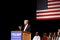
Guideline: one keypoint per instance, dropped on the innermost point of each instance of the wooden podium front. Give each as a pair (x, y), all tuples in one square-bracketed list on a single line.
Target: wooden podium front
[(23, 35), (26, 36)]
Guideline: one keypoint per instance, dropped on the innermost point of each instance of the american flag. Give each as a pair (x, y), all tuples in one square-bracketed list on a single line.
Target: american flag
[(53, 11)]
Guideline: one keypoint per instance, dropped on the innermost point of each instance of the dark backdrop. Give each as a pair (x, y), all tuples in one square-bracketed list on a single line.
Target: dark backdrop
[(15, 16), (11, 22)]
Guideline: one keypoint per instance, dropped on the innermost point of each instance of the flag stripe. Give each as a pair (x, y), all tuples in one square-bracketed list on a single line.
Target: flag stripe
[(48, 10), (53, 6), (52, 16), (55, 2), (48, 13)]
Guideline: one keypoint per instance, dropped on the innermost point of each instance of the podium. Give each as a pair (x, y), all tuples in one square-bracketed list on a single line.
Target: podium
[(20, 35)]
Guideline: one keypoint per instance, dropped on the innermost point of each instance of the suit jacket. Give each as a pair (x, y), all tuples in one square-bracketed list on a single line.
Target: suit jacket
[(28, 28)]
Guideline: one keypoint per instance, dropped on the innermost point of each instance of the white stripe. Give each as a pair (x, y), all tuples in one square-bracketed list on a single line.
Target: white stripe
[(49, 17), (48, 10), (48, 13), (53, 6), (54, 2), (50, 0)]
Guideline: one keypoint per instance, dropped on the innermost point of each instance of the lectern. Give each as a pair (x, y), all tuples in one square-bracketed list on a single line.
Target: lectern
[(20, 35)]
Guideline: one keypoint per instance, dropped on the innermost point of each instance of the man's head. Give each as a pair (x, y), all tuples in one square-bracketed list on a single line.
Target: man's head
[(50, 33), (58, 30), (26, 22), (45, 34), (54, 33), (37, 33)]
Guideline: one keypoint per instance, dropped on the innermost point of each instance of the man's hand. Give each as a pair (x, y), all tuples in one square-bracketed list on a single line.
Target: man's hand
[(20, 27)]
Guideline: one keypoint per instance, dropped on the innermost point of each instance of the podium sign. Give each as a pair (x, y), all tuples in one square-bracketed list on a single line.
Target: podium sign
[(16, 35), (20, 35)]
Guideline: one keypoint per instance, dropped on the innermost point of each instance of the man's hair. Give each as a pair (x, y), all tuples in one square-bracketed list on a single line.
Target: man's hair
[(26, 20), (44, 33), (37, 32)]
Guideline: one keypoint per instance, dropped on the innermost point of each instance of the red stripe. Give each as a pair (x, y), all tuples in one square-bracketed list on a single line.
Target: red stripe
[(48, 19), (54, 7), (50, 15), (52, 0)]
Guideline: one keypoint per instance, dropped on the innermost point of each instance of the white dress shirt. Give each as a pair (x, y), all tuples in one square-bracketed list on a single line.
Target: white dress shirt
[(58, 38), (25, 27), (36, 38)]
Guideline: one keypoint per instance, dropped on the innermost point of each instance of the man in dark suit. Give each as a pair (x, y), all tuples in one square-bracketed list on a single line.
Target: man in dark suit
[(26, 26)]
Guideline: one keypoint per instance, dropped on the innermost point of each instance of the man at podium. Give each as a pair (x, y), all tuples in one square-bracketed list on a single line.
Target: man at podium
[(26, 26)]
